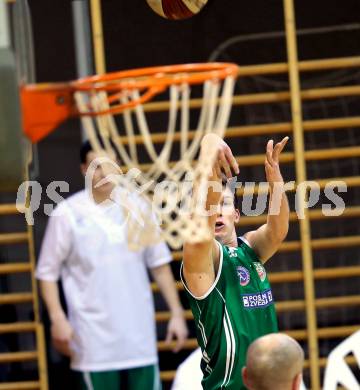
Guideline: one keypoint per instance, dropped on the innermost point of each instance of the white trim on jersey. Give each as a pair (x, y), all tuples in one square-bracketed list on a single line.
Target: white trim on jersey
[(233, 349), (229, 333), (206, 357), (242, 238), (202, 331), (202, 297), (87, 380), (201, 327), (228, 352)]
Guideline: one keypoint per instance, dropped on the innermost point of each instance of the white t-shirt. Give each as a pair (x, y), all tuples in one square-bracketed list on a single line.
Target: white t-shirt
[(106, 286)]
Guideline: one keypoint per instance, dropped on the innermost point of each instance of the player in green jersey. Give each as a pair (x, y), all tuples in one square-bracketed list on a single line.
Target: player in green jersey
[(225, 280)]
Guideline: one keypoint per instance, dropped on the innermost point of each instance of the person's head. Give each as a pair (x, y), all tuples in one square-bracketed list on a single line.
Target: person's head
[(101, 170), (228, 215), (274, 361)]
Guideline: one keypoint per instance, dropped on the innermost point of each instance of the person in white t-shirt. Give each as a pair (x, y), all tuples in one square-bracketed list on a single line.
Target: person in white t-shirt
[(109, 330)]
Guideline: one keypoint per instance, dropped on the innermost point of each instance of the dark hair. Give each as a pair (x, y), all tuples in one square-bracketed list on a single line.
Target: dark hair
[(84, 150), (236, 201)]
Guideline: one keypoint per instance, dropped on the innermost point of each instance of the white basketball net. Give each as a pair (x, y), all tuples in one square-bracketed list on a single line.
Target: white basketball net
[(166, 187)]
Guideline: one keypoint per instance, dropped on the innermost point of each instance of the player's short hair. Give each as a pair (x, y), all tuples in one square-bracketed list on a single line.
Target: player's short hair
[(236, 200), (84, 150)]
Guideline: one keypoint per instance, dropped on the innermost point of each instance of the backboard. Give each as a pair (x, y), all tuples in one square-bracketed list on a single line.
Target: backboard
[(16, 66)]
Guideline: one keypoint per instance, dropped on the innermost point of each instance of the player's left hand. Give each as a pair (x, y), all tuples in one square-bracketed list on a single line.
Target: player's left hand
[(178, 330), (272, 169)]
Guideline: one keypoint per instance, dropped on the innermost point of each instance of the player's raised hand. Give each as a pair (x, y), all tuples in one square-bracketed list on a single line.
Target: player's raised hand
[(225, 161), (272, 168)]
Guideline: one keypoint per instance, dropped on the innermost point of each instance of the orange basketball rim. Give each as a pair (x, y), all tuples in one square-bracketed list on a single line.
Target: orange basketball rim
[(46, 106)]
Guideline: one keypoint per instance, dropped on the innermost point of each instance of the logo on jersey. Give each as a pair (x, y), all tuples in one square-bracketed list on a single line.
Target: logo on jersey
[(260, 270), (232, 251), (257, 300), (243, 275)]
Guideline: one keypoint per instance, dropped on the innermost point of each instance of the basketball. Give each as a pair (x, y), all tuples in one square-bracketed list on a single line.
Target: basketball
[(177, 9)]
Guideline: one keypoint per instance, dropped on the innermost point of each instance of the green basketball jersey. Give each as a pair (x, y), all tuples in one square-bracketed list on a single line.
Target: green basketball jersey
[(237, 309)]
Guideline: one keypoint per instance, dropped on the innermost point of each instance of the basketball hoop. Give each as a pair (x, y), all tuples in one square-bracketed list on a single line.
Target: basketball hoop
[(97, 99)]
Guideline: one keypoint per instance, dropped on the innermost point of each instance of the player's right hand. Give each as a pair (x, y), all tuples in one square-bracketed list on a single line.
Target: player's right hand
[(62, 333), (225, 161)]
